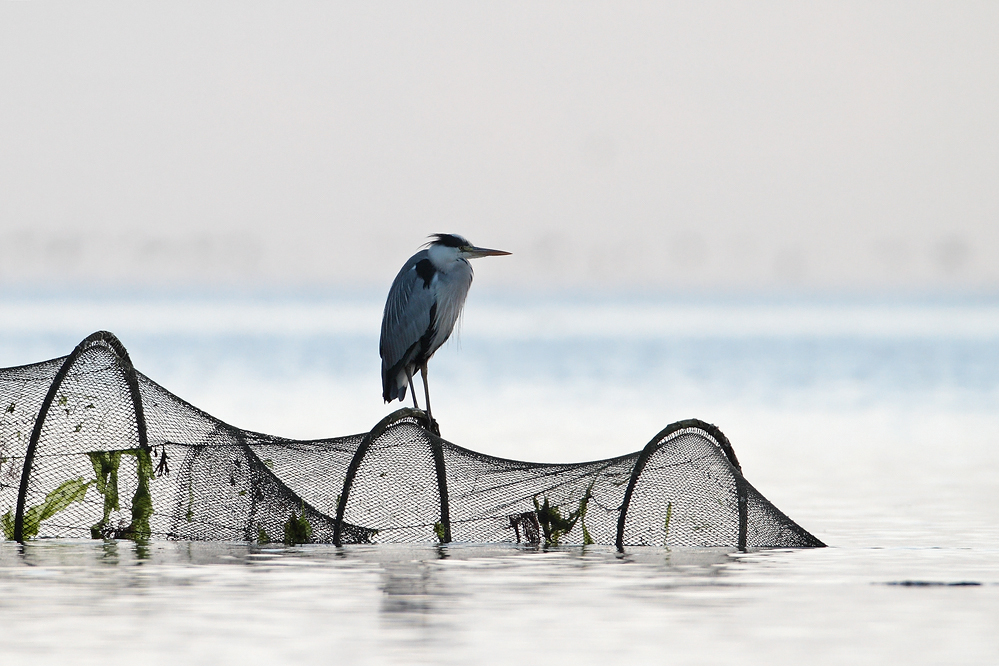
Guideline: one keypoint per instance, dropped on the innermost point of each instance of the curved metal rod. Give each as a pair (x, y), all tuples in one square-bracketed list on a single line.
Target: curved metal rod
[(362, 449), (125, 363), (656, 443), (437, 446)]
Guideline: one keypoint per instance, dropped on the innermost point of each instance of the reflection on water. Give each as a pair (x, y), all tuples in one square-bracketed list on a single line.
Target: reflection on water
[(120, 602)]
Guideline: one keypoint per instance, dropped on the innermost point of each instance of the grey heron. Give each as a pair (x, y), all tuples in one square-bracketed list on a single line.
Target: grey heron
[(422, 308)]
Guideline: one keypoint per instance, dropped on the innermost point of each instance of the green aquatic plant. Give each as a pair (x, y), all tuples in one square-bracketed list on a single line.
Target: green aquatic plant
[(439, 531), (583, 504), (554, 526), (74, 490), (587, 539), (669, 515), (142, 500), (189, 514), (297, 529), (106, 464)]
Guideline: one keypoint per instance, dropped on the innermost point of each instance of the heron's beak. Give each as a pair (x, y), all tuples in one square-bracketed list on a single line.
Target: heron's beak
[(475, 252)]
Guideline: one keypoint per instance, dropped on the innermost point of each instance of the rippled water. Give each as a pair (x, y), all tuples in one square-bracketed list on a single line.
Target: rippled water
[(210, 603), (873, 425)]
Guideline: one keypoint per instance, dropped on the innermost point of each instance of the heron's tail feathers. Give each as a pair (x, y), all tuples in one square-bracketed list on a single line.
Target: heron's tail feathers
[(394, 385), (391, 392)]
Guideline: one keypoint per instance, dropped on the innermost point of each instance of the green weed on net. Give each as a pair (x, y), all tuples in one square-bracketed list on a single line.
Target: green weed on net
[(74, 490), (554, 525), (297, 529), (106, 465)]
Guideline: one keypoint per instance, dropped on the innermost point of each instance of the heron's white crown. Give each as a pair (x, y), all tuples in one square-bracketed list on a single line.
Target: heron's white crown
[(443, 257)]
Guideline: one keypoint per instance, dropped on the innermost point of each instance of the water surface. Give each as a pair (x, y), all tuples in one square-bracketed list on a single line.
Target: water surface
[(225, 603)]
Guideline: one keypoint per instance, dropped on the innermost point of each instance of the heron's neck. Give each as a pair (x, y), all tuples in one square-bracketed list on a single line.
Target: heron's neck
[(443, 258)]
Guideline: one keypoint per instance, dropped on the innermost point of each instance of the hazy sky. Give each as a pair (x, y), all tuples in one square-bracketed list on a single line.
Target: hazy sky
[(660, 145)]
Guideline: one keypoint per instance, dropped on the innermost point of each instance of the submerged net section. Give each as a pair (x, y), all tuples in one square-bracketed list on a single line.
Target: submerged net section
[(91, 448)]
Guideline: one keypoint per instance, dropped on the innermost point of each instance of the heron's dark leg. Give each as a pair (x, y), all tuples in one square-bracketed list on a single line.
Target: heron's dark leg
[(431, 424), (409, 376), (426, 390)]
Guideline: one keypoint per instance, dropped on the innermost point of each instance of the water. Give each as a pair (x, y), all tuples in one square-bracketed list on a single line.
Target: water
[(873, 425), (208, 603)]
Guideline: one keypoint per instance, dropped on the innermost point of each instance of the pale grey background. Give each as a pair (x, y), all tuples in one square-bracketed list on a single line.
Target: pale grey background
[(718, 146)]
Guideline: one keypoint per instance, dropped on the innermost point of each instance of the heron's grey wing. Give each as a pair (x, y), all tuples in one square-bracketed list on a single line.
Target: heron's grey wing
[(407, 316)]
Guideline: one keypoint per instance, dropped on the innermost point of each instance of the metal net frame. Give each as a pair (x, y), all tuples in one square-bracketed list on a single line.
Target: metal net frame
[(92, 448)]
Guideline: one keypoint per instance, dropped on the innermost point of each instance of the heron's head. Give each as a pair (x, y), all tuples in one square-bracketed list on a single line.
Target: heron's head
[(447, 248)]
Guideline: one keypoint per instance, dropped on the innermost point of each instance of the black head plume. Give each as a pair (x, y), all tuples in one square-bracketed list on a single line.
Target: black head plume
[(448, 240)]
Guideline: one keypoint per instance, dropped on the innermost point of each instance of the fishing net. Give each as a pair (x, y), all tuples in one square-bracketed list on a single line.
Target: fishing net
[(91, 448)]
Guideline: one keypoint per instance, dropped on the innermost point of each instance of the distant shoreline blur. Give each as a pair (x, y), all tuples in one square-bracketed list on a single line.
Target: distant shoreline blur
[(710, 147)]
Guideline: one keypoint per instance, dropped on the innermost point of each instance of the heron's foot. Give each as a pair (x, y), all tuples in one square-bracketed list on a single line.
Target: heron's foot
[(430, 424)]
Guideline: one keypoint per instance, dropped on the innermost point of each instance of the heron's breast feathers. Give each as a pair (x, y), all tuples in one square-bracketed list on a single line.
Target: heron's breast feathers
[(452, 288)]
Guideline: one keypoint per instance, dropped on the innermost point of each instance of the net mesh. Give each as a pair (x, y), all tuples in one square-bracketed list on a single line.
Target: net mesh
[(91, 448)]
